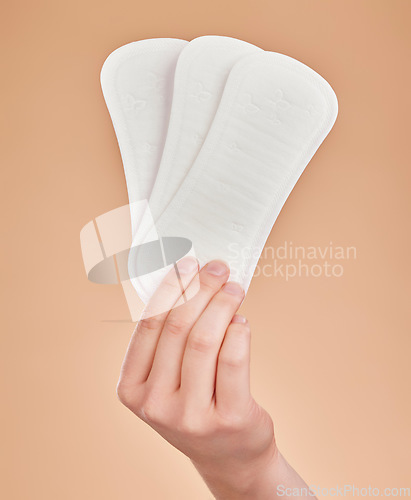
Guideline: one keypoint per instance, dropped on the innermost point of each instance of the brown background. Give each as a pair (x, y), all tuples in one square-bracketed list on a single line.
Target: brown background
[(330, 356)]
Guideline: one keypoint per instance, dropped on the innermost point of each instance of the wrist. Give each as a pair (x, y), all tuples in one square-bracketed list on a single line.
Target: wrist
[(239, 478)]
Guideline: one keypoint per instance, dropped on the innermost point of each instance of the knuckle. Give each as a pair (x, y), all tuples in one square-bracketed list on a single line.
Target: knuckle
[(125, 395), (171, 284), (241, 330), (151, 409), (234, 359), (209, 285), (149, 324), (235, 354), (232, 423), (201, 342), (238, 422), (191, 427), (177, 324), (224, 299)]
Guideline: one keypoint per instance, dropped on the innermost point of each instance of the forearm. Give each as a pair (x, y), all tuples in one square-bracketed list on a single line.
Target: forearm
[(267, 478)]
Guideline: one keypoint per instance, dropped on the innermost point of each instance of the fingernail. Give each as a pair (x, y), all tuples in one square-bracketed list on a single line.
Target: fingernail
[(237, 318), (217, 268), (233, 288), (187, 265)]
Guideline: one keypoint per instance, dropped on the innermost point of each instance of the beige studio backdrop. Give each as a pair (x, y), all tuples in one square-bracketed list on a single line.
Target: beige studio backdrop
[(330, 355)]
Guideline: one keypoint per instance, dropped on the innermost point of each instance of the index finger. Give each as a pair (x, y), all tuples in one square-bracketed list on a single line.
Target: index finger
[(141, 350)]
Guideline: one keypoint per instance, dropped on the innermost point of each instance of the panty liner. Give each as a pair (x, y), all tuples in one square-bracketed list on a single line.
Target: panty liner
[(274, 114), (201, 74), (244, 124), (137, 82)]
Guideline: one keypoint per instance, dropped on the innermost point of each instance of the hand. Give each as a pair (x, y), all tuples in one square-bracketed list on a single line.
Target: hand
[(186, 374)]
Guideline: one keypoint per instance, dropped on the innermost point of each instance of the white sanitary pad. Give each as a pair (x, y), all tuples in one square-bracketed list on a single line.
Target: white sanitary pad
[(137, 82), (201, 73), (274, 114), (244, 124)]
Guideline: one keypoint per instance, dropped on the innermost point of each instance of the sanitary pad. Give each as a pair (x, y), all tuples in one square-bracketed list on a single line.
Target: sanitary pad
[(244, 124), (274, 114), (137, 83), (201, 73)]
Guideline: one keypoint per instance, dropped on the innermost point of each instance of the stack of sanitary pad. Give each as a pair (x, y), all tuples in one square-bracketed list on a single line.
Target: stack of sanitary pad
[(214, 134)]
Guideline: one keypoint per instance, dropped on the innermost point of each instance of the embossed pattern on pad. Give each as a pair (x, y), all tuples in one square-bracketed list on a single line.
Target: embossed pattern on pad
[(137, 83), (201, 73), (274, 114)]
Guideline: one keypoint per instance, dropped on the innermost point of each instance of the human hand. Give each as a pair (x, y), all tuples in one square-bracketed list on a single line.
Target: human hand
[(186, 374)]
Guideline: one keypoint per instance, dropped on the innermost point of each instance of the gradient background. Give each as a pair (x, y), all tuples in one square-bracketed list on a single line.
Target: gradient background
[(330, 357)]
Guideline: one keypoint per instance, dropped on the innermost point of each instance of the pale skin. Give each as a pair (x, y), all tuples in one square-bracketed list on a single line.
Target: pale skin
[(187, 375)]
